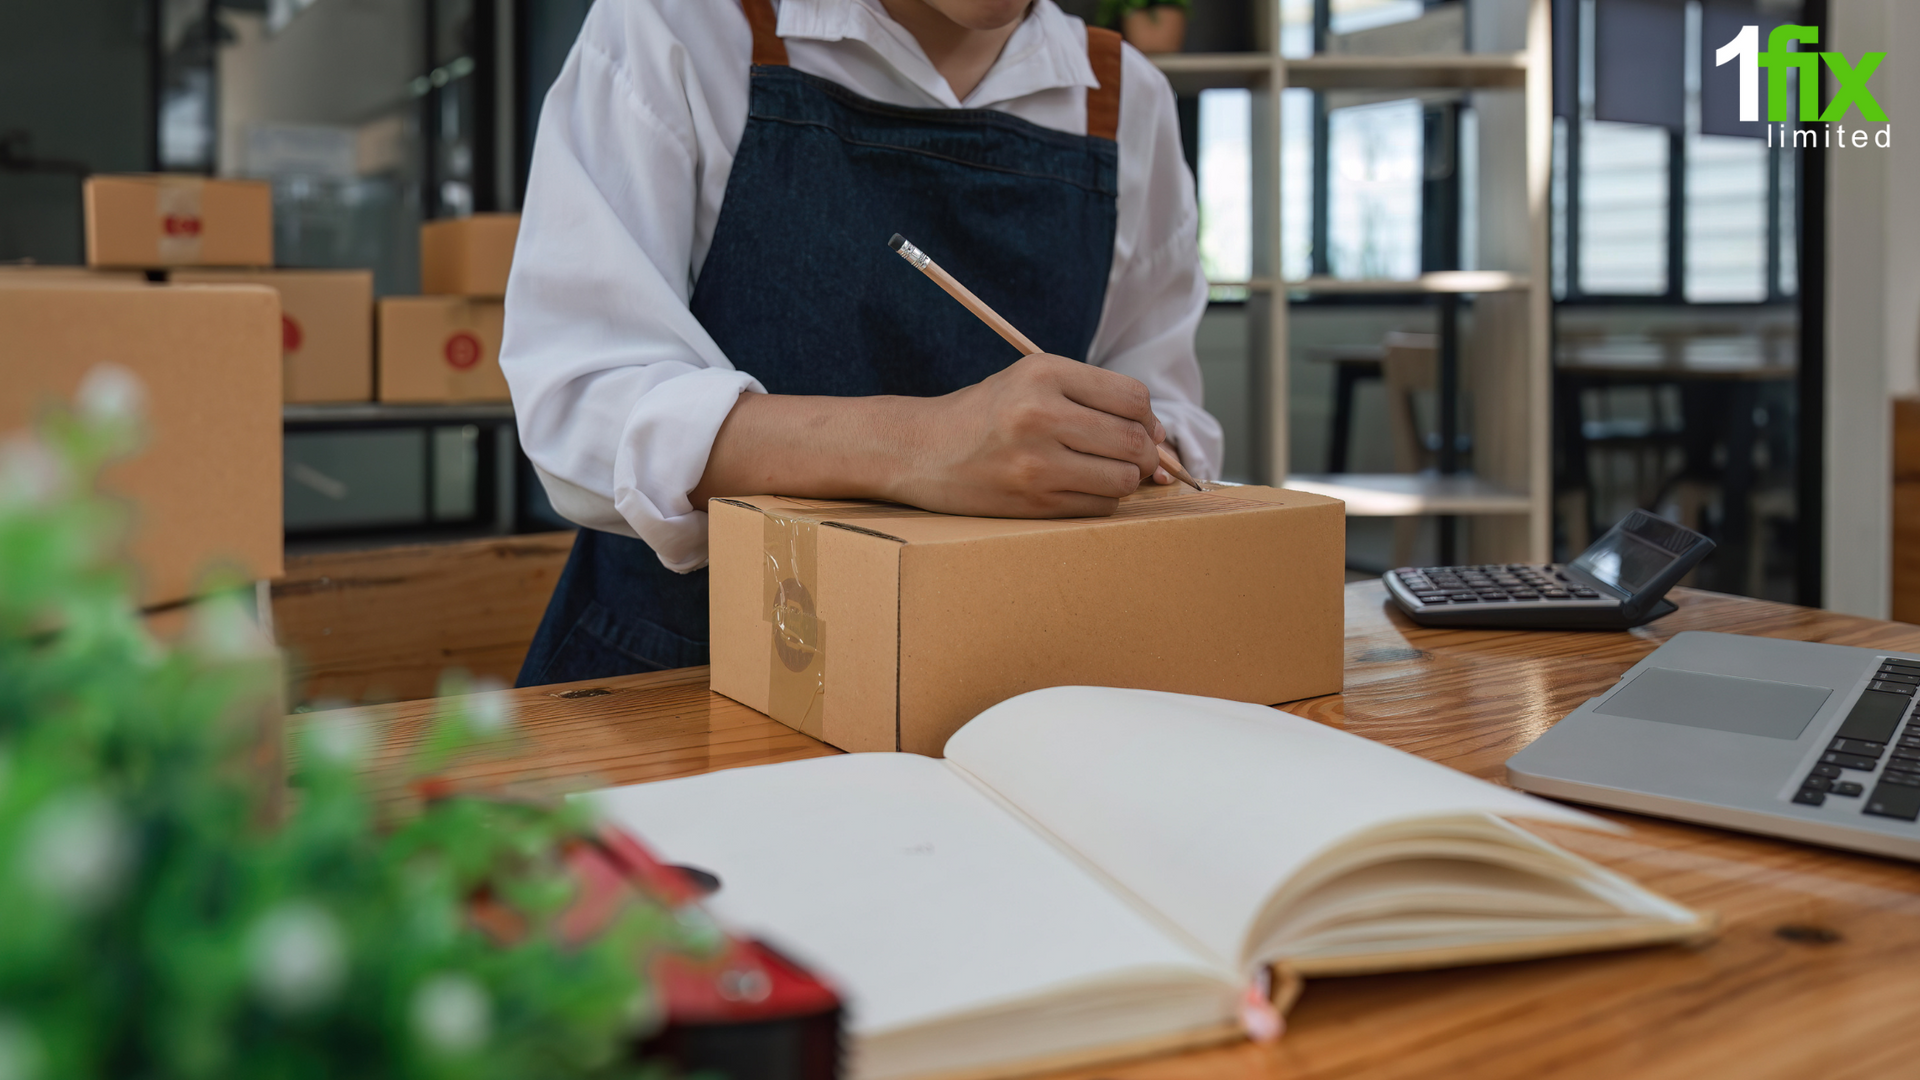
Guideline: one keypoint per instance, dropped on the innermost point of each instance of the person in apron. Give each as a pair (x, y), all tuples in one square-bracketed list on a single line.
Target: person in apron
[(834, 348)]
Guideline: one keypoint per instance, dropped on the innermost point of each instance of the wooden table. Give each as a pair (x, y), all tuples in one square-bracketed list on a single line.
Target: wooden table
[(1817, 972)]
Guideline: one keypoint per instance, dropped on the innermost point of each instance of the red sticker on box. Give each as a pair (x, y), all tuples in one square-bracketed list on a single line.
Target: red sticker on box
[(180, 225), (291, 336), (462, 350)]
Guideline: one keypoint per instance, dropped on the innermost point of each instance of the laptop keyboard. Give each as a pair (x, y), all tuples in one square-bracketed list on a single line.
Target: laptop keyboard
[(1494, 583), (1870, 739)]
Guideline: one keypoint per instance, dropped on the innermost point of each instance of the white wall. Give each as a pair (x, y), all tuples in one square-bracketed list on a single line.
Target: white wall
[(1873, 305)]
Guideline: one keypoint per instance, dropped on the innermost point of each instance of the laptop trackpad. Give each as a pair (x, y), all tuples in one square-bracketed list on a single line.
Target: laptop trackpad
[(1776, 710)]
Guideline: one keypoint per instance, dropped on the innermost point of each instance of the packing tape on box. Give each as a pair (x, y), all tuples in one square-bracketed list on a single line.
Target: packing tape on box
[(177, 210), (790, 595), (796, 675)]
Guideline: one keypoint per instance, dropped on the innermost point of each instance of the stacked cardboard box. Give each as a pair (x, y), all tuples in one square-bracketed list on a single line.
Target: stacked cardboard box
[(326, 328), (151, 222), (445, 346), (186, 225), (205, 487)]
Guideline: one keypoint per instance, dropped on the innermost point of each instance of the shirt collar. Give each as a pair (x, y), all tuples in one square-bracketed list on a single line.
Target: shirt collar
[(1046, 52)]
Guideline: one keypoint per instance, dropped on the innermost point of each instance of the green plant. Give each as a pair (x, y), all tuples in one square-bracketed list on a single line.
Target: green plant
[(1112, 11), (162, 920)]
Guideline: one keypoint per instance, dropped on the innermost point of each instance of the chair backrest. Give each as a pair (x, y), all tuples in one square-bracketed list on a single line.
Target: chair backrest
[(1409, 365)]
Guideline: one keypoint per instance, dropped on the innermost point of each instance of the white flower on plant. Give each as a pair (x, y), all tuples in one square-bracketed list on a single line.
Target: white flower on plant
[(488, 711), (342, 736), (77, 849), (297, 956), (21, 1057), (223, 629), (452, 1013), (30, 473), (111, 394)]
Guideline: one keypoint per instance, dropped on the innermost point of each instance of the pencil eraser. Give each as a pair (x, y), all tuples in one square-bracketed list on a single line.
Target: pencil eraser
[(896, 241)]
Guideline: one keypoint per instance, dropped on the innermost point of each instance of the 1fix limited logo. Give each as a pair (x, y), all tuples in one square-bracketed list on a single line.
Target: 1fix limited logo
[(1851, 93)]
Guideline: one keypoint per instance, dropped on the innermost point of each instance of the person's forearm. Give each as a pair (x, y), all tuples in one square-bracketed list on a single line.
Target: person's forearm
[(810, 447), (1044, 437)]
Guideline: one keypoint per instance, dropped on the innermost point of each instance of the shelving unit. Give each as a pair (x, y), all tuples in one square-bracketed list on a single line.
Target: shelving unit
[(1503, 361)]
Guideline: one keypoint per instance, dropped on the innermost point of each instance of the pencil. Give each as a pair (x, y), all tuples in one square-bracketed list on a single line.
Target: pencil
[(1007, 330)]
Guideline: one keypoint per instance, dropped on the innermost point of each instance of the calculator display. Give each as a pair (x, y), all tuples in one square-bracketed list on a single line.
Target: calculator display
[(1625, 561)]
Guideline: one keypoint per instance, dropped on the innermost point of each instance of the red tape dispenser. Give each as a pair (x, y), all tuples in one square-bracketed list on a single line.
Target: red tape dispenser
[(744, 1012), (737, 1010)]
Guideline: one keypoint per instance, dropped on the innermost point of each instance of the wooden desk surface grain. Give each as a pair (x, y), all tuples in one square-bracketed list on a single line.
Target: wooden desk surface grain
[(1816, 974)]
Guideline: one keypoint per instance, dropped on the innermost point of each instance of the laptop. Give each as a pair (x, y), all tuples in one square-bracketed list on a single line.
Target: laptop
[(1798, 739)]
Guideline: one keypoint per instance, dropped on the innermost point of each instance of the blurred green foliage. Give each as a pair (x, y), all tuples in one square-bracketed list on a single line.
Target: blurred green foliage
[(160, 918)]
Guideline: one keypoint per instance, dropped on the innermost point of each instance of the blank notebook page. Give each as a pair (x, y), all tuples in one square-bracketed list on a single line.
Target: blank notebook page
[(893, 875), (1202, 807)]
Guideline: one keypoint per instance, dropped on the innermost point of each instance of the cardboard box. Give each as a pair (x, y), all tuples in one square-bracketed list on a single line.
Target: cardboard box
[(205, 487), (878, 627), (441, 348), (76, 275), (467, 256), (326, 328), (160, 220)]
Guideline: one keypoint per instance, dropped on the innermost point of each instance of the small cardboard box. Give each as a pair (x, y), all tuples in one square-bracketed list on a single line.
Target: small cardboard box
[(326, 328), (205, 486), (879, 627), (72, 275), (467, 256), (441, 348), (160, 220)]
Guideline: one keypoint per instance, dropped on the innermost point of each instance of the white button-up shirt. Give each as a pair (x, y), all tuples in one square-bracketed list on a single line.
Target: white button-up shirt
[(620, 391)]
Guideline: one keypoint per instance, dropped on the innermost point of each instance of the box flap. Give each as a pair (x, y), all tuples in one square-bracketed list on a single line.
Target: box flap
[(914, 526)]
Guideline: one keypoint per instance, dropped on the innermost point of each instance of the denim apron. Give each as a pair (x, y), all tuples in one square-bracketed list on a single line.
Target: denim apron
[(800, 290)]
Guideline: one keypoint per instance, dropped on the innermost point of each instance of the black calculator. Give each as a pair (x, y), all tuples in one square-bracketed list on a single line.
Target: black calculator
[(1621, 581)]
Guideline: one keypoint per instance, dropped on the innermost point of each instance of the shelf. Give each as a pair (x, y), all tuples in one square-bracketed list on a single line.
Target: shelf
[(1191, 73), (1472, 71), (1440, 281), (1409, 494), (374, 415)]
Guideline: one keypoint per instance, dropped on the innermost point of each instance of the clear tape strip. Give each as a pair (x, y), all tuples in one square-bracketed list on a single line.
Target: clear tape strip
[(797, 669)]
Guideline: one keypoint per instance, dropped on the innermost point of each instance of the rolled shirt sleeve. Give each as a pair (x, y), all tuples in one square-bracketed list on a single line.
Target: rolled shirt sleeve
[(618, 389), (1156, 291)]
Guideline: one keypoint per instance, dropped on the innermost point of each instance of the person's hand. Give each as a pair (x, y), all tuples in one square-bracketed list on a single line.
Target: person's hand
[(1047, 437)]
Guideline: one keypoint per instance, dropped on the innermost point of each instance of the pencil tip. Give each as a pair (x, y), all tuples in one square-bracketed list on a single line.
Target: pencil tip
[(896, 241)]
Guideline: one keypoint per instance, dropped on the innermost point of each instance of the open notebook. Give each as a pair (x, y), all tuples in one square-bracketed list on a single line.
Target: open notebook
[(1097, 873)]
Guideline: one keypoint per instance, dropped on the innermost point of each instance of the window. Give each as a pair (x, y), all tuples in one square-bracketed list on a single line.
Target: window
[(1649, 201)]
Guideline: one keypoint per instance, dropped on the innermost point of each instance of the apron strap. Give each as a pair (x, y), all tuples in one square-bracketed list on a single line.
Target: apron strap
[(1103, 102), (768, 49)]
